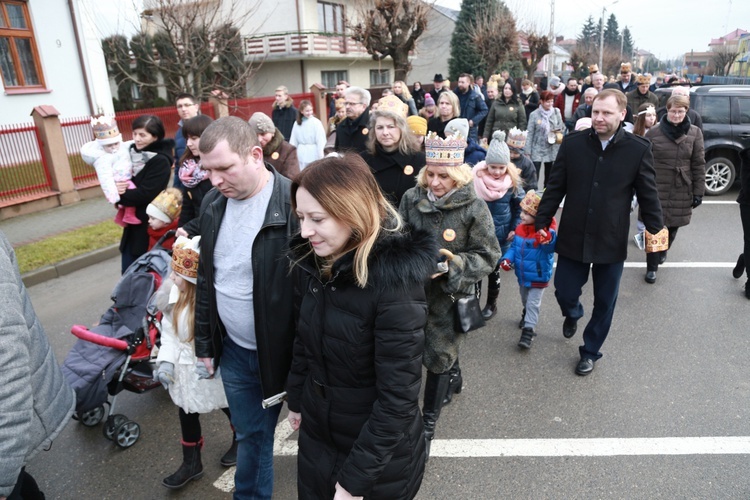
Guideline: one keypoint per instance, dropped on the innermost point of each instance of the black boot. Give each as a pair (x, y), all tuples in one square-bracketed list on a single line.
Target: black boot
[(523, 318), (747, 289), (191, 467), (740, 267), (527, 336), (435, 388), (456, 383), (230, 457), (490, 309)]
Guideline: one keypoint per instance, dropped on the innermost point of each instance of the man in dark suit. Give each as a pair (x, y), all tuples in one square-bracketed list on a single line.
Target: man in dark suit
[(597, 172)]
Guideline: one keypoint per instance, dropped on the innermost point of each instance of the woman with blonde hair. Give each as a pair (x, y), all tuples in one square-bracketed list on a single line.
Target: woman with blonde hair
[(393, 154), (401, 91), (444, 203), (448, 108), (353, 388)]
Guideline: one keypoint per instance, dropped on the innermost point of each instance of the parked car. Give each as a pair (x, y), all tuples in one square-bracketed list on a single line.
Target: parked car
[(725, 111)]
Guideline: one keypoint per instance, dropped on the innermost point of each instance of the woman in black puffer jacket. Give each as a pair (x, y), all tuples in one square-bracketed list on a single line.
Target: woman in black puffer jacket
[(353, 388)]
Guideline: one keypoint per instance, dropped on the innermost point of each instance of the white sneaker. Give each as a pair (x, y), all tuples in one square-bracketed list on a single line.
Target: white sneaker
[(639, 241)]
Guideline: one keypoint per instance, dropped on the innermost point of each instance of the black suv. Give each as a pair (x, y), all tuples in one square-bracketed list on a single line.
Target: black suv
[(725, 111)]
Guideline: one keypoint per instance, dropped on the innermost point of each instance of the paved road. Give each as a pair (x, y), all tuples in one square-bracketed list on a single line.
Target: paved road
[(675, 366)]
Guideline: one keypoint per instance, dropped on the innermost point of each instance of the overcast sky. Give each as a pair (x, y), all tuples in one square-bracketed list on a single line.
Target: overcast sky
[(666, 28)]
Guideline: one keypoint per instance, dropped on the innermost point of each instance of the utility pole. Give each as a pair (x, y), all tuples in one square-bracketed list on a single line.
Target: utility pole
[(551, 57), (601, 40)]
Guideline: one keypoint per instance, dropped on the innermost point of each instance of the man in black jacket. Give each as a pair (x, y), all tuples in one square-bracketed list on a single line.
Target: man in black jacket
[(244, 295), (351, 134), (597, 171), (284, 113)]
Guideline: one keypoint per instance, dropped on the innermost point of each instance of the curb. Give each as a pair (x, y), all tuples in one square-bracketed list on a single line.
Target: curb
[(69, 265)]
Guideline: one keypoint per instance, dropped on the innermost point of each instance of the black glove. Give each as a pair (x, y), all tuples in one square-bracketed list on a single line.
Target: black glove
[(697, 200)]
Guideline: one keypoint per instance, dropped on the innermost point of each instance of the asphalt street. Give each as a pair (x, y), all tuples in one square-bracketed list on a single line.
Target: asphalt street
[(676, 365)]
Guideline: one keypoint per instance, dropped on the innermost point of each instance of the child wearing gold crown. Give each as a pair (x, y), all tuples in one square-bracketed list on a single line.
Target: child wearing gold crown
[(533, 258), (176, 363), (110, 158), (164, 215)]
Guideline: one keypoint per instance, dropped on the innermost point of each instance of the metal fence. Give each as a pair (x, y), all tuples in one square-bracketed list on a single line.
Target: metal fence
[(167, 115), (77, 132), (244, 108), (23, 168)]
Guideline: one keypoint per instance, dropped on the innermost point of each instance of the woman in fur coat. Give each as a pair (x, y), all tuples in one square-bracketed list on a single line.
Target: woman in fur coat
[(353, 388), (445, 204)]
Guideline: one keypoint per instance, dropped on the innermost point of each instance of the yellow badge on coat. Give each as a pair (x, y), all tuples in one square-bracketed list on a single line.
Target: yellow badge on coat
[(365, 131), (449, 235), (275, 155), (408, 170), (510, 108)]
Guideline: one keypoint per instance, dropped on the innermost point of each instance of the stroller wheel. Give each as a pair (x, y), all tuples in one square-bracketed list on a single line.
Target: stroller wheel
[(112, 423), (127, 433), (91, 418)]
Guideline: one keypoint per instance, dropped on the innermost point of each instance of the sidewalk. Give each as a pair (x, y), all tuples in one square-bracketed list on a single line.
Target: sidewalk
[(29, 228)]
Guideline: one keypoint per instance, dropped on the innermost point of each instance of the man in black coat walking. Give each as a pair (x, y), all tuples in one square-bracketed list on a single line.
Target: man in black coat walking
[(351, 134), (597, 171)]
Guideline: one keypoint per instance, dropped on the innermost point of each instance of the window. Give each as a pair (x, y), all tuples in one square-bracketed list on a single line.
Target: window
[(19, 59), (330, 17), (379, 77), (329, 79), (714, 109), (744, 103)]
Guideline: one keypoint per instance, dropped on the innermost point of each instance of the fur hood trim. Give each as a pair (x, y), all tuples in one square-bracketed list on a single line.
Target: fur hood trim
[(287, 104), (398, 260), (274, 144)]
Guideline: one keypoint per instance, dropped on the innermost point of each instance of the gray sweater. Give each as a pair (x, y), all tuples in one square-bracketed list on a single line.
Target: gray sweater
[(35, 400)]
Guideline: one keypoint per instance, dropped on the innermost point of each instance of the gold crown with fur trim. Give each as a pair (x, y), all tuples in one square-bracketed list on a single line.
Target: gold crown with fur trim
[(448, 152), (105, 129), (185, 257)]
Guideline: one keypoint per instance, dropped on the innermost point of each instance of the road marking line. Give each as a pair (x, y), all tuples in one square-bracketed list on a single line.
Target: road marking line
[(719, 202), (469, 448), (716, 265)]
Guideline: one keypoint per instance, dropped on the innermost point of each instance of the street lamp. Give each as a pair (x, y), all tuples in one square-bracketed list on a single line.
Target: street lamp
[(601, 36)]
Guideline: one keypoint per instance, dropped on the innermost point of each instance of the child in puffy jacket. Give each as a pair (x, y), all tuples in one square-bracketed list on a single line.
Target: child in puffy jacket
[(533, 258)]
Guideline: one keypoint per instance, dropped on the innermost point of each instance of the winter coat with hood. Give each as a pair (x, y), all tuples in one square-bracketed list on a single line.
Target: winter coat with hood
[(504, 116), (149, 182), (680, 168), (532, 260), (284, 116), (463, 225), (272, 285), (357, 370), (391, 172), (35, 400), (282, 155)]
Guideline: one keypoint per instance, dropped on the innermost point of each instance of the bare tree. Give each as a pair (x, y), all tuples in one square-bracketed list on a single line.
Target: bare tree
[(192, 44), (495, 36), (723, 58), (538, 46), (389, 28)]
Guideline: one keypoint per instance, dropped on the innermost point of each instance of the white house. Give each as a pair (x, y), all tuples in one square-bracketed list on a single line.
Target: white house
[(49, 55)]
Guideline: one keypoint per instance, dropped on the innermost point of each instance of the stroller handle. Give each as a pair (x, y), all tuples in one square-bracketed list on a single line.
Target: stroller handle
[(84, 333), (164, 237)]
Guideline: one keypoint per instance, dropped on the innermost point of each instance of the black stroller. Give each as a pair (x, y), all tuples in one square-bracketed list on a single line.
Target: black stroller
[(115, 354)]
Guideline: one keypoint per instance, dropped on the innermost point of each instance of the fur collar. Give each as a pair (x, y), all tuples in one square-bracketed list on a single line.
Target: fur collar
[(398, 260), (287, 104), (462, 197)]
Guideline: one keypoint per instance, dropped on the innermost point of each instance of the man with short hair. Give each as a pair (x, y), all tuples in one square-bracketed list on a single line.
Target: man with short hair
[(627, 82), (284, 113), (472, 104), (351, 134), (641, 94), (597, 81), (243, 315), (187, 107), (597, 172), (584, 110), (341, 86), (567, 102), (657, 84)]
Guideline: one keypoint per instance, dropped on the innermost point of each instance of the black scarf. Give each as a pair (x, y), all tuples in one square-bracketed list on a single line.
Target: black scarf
[(570, 92), (673, 131)]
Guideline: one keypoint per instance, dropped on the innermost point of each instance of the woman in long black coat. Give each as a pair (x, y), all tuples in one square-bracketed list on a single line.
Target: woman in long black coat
[(353, 388), (151, 156), (195, 180)]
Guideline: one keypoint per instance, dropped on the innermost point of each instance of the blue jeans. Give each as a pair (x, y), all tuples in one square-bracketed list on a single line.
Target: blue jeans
[(570, 277), (254, 426)]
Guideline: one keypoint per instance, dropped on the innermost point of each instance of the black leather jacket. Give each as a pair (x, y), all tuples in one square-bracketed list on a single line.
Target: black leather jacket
[(272, 285)]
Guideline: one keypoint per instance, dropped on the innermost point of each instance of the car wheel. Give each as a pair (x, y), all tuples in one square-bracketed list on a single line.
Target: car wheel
[(720, 175)]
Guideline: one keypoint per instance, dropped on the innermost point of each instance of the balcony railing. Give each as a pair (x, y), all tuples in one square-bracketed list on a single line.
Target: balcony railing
[(284, 45)]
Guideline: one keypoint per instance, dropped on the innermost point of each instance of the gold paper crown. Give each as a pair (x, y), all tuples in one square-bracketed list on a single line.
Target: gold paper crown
[(185, 257), (516, 138), (394, 105), (167, 204), (625, 66), (593, 68), (105, 127), (530, 202), (642, 79), (448, 152)]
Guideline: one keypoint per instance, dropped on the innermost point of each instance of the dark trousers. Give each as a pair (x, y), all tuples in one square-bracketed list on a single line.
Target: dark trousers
[(190, 425), (745, 217), (547, 169), (26, 488), (570, 277), (652, 259)]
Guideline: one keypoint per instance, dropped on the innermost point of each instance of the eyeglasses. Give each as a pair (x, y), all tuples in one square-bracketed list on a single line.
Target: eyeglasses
[(349, 104)]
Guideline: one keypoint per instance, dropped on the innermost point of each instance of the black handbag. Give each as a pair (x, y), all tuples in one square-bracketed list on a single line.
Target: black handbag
[(468, 314)]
